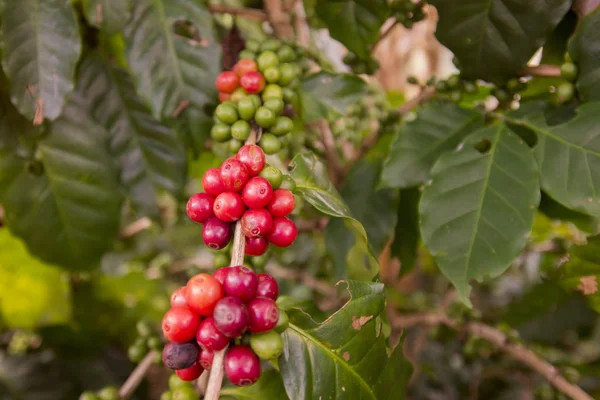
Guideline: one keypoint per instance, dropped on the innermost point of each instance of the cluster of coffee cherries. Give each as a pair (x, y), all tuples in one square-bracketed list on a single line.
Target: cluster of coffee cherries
[(234, 307), (243, 189), (360, 65), (148, 339), (565, 91), (408, 12), (107, 393)]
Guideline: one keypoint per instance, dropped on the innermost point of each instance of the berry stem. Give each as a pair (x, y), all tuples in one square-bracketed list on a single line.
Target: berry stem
[(135, 378)]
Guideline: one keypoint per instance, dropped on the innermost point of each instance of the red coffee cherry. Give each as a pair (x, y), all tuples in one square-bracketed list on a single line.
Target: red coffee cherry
[(264, 315), (205, 358), (284, 232), (256, 246), (234, 175), (242, 366), (229, 206), (240, 282), (227, 81), (253, 82), (216, 234), (231, 316), (190, 373), (200, 207), (282, 203), (209, 337), (220, 274), (179, 355), (244, 66), (179, 325), (257, 192), (257, 222), (202, 292), (253, 157), (211, 182), (267, 287), (178, 297)]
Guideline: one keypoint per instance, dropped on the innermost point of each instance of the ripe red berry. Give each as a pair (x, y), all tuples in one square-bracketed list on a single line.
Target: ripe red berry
[(267, 287), (227, 81), (240, 282), (257, 192), (253, 157), (220, 274), (179, 325), (256, 246), (202, 293), (190, 373), (229, 206), (211, 182), (284, 232), (282, 203), (242, 366), (234, 174), (257, 222), (200, 207), (179, 355), (205, 358), (224, 96), (216, 234), (178, 297), (253, 82), (231, 316), (244, 66), (209, 337), (264, 315)]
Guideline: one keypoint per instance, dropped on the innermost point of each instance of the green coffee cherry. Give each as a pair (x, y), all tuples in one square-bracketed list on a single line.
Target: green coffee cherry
[(252, 45), (155, 343), (256, 99), (265, 117), (240, 130), (137, 353), (176, 383), (220, 132), (227, 113), (565, 92), (88, 396), (569, 71), (166, 396), (109, 393), (144, 328), (246, 108), (268, 345), (267, 59), (283, 126), (454, 82), (470, 87), (186, 393), (501, 94), (412, 80), (269, 143), (350, 58), (235, 145), (259, 261), (287, 73), (271, 44), (275, 105), (247, 54), (286, 54), (288, 183), (221, 260), (273, 175), (238, 94), (272, 74), (289, 95), (272, 91), (282, 323), (455, 96), (442, 87)]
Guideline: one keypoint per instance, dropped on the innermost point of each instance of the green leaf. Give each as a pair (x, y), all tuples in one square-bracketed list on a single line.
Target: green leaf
[(269, 386), (478, 210), (33, 294), (553, 209), (393, 381), (584, 49), (70, 214), (41, 49), (341, 357), (327, 95), (582, 271), (171, 69), (406, 235), (354, 23), (150, 155), (568, 153), (438, 127), (109, 15), (315, 187), (494, 39)]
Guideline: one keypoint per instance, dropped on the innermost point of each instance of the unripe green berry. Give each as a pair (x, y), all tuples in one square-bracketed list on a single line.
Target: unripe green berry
[(455, 96), (109, 393), (350, 58), (470, 87), (259, 261), (154, 343), (240, 130), (253, 45), (256, 99), (235, 145), (268, 345), (271, 44), (272, 91), (282, 323), (185, 393), (265, 117), (238, 94), (269, 143), (227, 113), (272, 74), (166, 396), (565, 92), (221, 260), (288, 183), (267, 59), (246, 108), (144, 328), (220, 132), (275, 105), (501, 94), (569, 71), (287, 73), (289, 95), (454, 82), (286, 54), (273, 175), (88, 396), (136, 353), (441, 87), (412, 80), (176, 383), (283, 126), (247, 54)]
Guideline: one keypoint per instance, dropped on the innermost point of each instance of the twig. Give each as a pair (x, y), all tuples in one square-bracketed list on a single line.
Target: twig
[(279, 19), (425, 94), (202, 382), (334, 167), (136, 227), (250, 13), (551, 71), (307, 279), (498, 338), (136, 376)]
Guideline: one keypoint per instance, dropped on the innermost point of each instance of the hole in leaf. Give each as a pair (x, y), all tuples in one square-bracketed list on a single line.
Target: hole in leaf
[(483, 146)]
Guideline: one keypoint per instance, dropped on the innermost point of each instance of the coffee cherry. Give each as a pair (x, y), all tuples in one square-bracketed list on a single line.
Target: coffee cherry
[(282, 203), (269, 143), (211, 182), (253, 45), (264, 315), (267, 287), (256, 99), (240, 130), (154, 343), (229, 206), (185, 393), (289, 95), (253, 82), (455, 96), (220, 132), (226, 113), (441, 87), (267, 59), (235, 145), (271, 44), (256, 246), (268, 345), (257, 222), (242, 366), (259, 262), (175, 383), (179, 355), (272, 74), (88, 396), (241, 282), (136, 352), (470, 87), (265, 117), (286, 54), (257, 192), (454, 82), (209, 337), (234, 175), (191, 373), (231, 316), (205, 359), (275, 105), (216, 234), (220, 274), (283, 126), (199, 207), (238, 94), (253, 157), (166, 395), (501, 94), (109, 393), (179, 324), (178, 297), (244, 66), (284, 232), (224, 97), (273, 175), (569, 71), (282, 323), (565, 92), (288, 183), (227, 81), (202, 292), (246, 108), (287, 73), (272, 91)]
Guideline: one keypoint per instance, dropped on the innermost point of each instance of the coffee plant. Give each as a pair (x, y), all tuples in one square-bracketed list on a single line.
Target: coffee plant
[(209, 199)]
